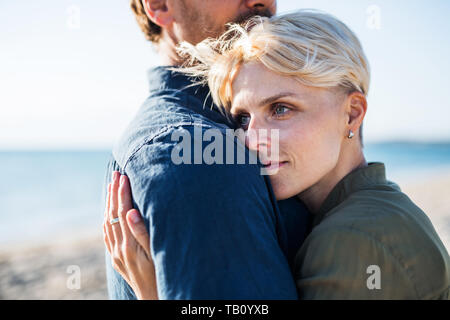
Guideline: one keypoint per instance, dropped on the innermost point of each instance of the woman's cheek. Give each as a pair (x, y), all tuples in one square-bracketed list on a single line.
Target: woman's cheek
[(329, 148), (315, 152)]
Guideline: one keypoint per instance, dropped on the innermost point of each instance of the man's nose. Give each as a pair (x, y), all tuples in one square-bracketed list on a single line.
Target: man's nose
[(262, 5)]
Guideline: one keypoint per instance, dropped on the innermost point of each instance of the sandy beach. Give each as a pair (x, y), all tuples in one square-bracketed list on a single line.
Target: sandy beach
[(432, 195), (45, 271)]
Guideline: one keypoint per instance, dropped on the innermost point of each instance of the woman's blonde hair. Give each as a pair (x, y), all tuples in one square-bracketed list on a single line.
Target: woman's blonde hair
[(313, 47)]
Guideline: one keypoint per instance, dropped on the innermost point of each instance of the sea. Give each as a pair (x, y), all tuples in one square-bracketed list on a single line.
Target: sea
[(52, 196)]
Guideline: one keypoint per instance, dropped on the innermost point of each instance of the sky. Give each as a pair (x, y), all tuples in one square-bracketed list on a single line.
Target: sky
[(73, 73)]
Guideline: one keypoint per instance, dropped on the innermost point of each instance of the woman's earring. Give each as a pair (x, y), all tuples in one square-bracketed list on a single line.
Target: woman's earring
[(351, 135)]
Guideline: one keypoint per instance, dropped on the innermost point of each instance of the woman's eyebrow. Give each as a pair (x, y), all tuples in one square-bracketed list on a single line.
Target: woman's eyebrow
[(274, 98), (267, 101)]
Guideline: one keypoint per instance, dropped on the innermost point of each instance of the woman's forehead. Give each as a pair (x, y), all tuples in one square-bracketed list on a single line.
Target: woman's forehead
[(254, 82)]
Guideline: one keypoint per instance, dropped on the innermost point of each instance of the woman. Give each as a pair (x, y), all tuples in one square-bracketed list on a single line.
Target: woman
[(306, 76)]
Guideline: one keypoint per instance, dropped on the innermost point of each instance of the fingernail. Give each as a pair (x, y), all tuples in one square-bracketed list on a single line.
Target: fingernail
[(135, 217), (115, 175)]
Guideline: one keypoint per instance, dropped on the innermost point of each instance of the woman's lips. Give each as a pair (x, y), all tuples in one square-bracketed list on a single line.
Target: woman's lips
[(274, 165)]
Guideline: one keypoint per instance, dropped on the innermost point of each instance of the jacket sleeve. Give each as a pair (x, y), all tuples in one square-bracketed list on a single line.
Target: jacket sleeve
[(212, 227)]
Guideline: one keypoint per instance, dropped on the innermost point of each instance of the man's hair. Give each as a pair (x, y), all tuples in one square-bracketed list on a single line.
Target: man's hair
[(151, 31), (313, 47)]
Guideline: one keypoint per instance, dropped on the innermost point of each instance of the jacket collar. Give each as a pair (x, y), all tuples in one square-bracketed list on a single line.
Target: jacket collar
[(163, 79), (367, 178)]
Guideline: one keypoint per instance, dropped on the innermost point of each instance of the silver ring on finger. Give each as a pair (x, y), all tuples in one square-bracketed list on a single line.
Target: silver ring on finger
[(114, 221)]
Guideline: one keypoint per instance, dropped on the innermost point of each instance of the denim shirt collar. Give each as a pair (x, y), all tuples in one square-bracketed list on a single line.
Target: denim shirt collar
[(162, 79)]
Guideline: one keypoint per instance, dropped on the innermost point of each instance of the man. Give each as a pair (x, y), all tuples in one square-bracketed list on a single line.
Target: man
[(216, 231)]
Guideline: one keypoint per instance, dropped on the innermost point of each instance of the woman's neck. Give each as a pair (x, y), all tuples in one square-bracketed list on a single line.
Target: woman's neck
[(315, 196)]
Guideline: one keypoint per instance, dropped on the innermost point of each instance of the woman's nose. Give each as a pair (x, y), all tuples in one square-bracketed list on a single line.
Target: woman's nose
[(262, 5), (257, 135)]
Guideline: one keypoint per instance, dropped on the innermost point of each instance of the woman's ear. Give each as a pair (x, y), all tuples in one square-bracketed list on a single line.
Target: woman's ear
[(356, 108), (158, 12)]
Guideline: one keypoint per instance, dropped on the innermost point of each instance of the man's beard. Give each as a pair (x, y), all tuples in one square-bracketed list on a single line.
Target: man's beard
[(242, 19)]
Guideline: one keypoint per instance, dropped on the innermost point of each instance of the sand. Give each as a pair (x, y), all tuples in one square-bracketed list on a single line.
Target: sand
[(50, 271), (41, 271), (432, 195)]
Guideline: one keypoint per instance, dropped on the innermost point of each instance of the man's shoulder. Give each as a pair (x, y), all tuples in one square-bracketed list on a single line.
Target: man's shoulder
[(161, 115), (195, 161), (195, 150)]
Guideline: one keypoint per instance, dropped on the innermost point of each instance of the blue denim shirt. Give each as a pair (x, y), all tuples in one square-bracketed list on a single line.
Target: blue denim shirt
[(216, 231)]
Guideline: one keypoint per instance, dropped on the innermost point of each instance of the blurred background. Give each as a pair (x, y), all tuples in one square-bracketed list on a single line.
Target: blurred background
[(73, 73)]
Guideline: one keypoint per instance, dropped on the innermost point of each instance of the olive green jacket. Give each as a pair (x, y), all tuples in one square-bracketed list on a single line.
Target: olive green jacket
[(370, 241)]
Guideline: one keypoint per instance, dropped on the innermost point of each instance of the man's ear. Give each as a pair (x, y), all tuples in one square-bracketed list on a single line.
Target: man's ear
[(356, 108), (158, 12)]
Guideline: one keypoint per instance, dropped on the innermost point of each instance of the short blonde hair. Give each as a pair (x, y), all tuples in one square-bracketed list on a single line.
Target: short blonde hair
[(313, 47)]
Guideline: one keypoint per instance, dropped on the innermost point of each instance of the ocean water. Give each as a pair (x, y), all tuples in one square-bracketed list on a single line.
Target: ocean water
[(50, 196), (409, 161)]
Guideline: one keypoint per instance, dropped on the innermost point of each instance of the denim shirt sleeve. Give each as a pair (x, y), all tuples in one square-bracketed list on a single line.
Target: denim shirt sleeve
[(212, 228)]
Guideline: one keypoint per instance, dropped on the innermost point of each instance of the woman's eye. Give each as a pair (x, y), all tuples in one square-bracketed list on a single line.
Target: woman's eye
[(243, 120), (280, 109)]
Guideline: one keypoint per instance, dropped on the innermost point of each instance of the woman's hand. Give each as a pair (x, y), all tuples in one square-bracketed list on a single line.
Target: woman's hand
[(128, 241)]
